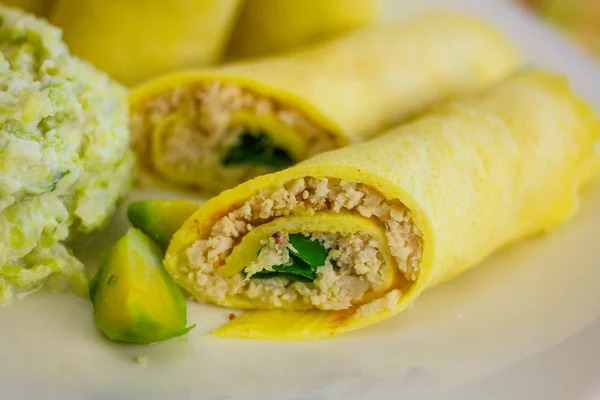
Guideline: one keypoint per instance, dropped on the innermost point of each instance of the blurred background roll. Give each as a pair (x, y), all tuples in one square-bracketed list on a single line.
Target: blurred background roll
[(211, 129), (580, 19), (134, 40), (272, 26)]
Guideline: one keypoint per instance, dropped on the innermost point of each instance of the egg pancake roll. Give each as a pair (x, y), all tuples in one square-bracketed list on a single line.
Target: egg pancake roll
[(134, 40), (266, 27), (215, 128), (352, 236)]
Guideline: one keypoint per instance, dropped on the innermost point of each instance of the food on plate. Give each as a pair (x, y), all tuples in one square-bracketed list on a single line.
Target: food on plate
[(134, 298), (212, 129), (39, 7), (352, 236), (160, 219), (64, 155), (266, 27), (135, 40)]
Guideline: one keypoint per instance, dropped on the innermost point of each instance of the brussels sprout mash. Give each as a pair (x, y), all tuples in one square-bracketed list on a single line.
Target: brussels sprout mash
[(64, 157)]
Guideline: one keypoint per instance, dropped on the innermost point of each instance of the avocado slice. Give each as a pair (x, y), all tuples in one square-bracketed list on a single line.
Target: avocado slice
[(160, 219), (135, 300)]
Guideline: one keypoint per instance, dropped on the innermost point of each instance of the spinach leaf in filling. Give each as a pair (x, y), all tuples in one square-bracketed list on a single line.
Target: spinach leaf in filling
[(306, 255), (256, 148)]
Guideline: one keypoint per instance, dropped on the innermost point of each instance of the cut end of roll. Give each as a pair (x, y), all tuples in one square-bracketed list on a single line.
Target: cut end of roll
[(333, 250), (211, 134)]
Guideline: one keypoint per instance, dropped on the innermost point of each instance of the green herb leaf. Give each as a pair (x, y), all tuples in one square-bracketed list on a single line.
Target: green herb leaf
[(258, 149), (310, 251), (307, 257), (297, 270), (291, 277)]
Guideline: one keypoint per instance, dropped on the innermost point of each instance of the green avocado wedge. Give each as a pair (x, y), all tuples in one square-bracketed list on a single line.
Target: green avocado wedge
[(135, 300), (160, 219)]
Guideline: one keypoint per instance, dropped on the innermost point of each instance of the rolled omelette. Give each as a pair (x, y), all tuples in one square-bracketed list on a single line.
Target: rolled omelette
[(352, 236), (266, 27), (135, 40), (215, 128)]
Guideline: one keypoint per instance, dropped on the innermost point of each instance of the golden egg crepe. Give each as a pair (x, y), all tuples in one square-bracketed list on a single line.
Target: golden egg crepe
[(267, 27), (393, 216), (215, 128), (134, 40)]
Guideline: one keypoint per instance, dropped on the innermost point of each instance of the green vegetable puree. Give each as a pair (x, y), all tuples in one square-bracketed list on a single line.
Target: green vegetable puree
[(64, 157)]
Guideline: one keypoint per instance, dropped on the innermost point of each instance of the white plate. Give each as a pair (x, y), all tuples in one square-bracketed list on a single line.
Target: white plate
[(522, 326)]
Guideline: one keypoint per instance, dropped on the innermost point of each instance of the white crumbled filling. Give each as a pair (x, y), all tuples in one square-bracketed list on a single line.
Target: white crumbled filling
[(274, 252), (210, 107), (387, 302), (354, 265), (358, 259)]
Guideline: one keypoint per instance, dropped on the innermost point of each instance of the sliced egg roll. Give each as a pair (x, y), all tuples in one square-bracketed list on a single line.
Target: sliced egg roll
[(267, 27), (135, 40), (215, 128), (352, 236)]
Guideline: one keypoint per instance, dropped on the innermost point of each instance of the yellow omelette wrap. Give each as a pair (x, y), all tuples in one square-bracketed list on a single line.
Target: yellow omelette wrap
[(267, 27), (393, 216), (135, 40), (212, 129)]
